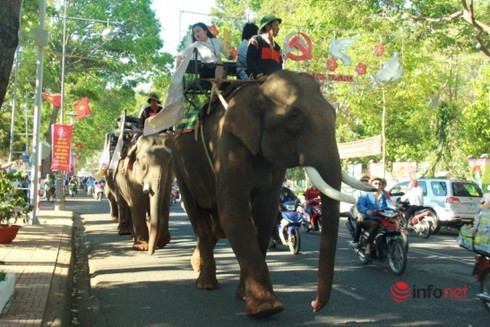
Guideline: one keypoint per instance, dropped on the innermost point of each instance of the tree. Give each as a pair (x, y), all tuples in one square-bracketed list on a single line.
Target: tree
[(9, 40)]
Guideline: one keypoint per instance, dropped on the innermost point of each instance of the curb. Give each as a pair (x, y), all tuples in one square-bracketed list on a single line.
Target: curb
[(57, 312)]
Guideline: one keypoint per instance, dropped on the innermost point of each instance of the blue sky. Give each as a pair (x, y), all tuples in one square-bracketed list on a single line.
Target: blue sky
[(176, 16)]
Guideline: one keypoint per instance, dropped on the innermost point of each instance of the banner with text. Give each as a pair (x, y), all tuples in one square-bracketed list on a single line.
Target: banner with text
[(61, 141), (363, 148)]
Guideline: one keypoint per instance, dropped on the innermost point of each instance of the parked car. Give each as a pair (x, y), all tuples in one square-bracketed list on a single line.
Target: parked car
[(454, 201)]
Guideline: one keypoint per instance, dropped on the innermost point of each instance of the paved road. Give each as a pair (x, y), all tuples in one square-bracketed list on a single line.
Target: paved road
[(131, 288)]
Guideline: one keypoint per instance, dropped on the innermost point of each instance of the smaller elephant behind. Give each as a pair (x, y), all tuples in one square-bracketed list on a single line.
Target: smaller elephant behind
[(119, 209), (144, 180)]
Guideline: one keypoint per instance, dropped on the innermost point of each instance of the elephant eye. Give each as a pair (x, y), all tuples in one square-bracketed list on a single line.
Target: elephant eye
[(294, 121)]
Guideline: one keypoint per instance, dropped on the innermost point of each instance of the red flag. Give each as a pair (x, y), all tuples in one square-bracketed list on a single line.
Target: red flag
[(54, 99), (82, 108)]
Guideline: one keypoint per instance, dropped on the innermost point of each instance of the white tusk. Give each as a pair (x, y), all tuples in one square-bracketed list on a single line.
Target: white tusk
[(326, 189), (351, 181), (146, 187)]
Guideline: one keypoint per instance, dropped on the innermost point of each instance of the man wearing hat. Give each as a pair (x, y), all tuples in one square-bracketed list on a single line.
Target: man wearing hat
[(153, 107), (264, 54)]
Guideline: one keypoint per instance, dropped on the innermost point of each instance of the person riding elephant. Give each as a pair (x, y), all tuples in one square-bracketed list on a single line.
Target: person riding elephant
[(263, 53), (144, 179), (231, 185)]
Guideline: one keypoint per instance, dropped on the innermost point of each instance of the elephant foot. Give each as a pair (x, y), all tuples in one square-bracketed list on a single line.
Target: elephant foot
[(140, 246), (206, 283), (124, 231), (262, 308), (196, 260), (164, 240)]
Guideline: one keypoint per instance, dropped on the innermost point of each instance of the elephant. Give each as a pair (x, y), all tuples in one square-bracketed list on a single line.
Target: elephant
[(119, 208), (231, 185), (144, 179)]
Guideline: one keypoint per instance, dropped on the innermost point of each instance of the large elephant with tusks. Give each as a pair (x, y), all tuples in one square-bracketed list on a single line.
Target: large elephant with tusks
[(284, 122)]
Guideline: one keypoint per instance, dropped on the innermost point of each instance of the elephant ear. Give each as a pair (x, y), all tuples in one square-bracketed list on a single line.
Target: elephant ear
[(244, 117), (131, 157)]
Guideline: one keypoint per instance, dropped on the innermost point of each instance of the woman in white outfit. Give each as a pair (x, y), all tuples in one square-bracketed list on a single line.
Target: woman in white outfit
[(209, 48)]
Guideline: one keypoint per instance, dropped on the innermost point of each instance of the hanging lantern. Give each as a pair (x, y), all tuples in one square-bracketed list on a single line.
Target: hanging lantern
[(78, 157), (332, 64), (79, 145), (379, 49), (361, 69)]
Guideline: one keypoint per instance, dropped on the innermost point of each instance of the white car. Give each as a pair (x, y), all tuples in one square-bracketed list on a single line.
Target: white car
[(454, 201)]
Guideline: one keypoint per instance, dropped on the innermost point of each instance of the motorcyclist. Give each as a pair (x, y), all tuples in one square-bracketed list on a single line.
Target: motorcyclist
[(355, 213), (311, 193), (368, 205), (415, 197), (285, 196)]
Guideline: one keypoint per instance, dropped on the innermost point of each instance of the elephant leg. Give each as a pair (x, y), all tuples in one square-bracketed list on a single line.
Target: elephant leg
[(140, 237), (264, 212), (125, 226), (235, 214), (206, 240)]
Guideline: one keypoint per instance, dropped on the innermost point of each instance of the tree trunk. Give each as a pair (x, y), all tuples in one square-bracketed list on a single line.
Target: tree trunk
[(9, 40)]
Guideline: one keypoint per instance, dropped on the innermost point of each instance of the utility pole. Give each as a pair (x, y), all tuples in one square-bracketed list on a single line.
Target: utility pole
[(40, 40)]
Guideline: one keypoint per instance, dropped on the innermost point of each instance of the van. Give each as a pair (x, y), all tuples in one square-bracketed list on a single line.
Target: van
[(454, 201)]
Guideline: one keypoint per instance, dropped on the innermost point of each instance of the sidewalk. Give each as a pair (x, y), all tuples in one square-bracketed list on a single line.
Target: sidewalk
[(40, 256)]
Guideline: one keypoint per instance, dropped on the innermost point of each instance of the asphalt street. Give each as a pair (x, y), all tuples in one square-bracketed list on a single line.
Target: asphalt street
[(131, 288)]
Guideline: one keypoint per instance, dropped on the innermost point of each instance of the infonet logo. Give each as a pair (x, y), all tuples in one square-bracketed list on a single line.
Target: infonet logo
[(401, 291)]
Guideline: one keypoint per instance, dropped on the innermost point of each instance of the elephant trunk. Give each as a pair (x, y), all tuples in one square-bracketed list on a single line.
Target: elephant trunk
[(328, 241), (155, 204)]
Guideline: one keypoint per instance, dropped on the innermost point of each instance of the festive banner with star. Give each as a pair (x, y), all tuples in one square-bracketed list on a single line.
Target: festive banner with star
[(54, 99), (82, 108)]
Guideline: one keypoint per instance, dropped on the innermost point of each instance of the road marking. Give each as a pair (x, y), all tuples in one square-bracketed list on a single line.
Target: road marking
[(355, 296), (445, 256), (427, 253), (313, 288)]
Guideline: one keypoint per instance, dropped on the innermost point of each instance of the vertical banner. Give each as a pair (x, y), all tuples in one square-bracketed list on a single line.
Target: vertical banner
[(61, 143)]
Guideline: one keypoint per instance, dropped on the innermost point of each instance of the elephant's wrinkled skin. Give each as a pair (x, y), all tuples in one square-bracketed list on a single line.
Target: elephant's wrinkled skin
[(285, 122), (144, 179)]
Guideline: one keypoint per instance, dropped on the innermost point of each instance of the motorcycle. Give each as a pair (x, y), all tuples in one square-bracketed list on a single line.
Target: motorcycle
[(312, 214), (422, 222), (482, 272), (388, 245), (287, 232)]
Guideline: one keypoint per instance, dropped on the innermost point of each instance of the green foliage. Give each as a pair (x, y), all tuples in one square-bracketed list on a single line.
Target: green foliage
[(440, 65), (3, 276), (13, 202), (108, 72)]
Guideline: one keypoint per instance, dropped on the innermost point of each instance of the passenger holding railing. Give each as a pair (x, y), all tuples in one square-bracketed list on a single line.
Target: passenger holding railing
[(209, 48)]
